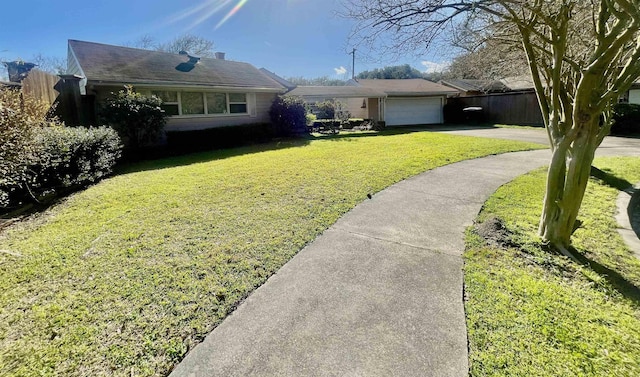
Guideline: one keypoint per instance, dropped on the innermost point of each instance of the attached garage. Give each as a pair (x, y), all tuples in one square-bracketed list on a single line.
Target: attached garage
[(402, 111), (409, 101)]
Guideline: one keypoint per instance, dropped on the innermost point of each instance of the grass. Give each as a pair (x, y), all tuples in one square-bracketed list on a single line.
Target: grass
[(124, 277), (531, 312)]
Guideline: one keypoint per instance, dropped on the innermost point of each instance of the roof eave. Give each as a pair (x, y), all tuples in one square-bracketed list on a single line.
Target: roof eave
[(420, 94), (183, 85)]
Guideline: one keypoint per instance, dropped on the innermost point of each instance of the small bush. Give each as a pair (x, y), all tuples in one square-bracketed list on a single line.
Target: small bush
[(138, 119), (325, 110), (288, 115), (311, 118), (626, 118)]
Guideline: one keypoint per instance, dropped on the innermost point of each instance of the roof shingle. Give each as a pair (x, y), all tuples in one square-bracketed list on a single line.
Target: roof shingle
[(406, 87), (116, 64)]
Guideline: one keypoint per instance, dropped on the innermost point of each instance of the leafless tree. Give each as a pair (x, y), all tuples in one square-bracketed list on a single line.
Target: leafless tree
[(489, 61), (582, 54), (51, 64), (190, 43)]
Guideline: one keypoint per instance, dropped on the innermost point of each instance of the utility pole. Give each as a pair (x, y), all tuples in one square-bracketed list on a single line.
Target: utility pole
[(353, 64)]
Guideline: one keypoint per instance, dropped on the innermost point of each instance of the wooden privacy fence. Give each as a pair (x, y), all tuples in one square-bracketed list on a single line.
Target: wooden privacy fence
[(519, 108), (40, 85)]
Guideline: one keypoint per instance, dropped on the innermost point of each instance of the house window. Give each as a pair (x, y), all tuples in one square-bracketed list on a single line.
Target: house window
[(237, 103), (217, 103), (201, 103), (169, 101), (192, 103)]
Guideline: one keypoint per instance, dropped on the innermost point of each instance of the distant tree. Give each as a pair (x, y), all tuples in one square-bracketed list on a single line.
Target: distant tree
[(190, 43), (318, 81), (433, 76), (50, 64), (392, 72)]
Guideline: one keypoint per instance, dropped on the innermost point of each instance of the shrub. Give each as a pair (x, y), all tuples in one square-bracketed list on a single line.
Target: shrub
[(288, 115), (311, 118), (626, 118), (325, 110), (138, 119), (74, 157), (20, 116)]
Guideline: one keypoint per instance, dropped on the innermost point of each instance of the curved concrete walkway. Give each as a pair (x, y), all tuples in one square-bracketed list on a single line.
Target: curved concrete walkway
[(377, 294)]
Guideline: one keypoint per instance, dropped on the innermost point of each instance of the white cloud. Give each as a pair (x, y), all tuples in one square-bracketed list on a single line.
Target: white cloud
[(340, 71), (431, 67)]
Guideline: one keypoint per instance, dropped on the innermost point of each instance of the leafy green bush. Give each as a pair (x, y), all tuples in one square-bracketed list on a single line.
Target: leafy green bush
[(626, 118), (20, 116), (39, 156), (325, 110), (288, 115), (138, 119), (74, 157), (311, 118)]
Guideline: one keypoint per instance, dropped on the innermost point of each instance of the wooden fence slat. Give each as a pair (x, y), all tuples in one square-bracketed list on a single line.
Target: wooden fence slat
[(519, 108), (40, 85)]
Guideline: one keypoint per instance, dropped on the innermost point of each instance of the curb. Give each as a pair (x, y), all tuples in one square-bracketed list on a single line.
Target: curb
[(626, 202)]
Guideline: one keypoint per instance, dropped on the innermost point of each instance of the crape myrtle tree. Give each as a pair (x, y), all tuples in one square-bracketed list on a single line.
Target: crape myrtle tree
[(582, 54)]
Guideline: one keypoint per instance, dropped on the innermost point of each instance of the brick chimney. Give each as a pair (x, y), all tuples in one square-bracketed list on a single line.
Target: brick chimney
[(219, 55), (18, 70)]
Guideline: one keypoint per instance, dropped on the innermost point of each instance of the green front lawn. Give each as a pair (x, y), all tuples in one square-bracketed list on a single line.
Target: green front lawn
[(531, 312), (123, 278)]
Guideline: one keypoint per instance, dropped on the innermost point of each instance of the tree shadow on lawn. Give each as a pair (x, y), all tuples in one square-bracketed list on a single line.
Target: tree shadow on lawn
[(611, 180), (626, 288), (625, 186)]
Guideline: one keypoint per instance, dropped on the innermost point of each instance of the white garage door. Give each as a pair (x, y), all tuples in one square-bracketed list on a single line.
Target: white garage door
[(634, 96), (415, 110)]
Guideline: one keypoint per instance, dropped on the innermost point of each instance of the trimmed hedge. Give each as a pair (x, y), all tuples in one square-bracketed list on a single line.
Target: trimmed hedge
[(62, 159), (71, 157)]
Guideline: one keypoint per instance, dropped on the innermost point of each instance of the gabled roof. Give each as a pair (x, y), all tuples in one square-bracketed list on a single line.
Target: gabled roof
[(523, 82), (282, 81), (406, 87), (336, 92), (467, 85), (115, 64)]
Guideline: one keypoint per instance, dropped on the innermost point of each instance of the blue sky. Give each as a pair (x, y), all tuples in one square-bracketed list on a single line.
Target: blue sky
[(289, 37)]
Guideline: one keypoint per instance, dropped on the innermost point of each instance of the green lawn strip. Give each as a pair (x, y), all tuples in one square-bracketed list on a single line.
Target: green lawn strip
[(531, 312), (541, 127), (124, 277)]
